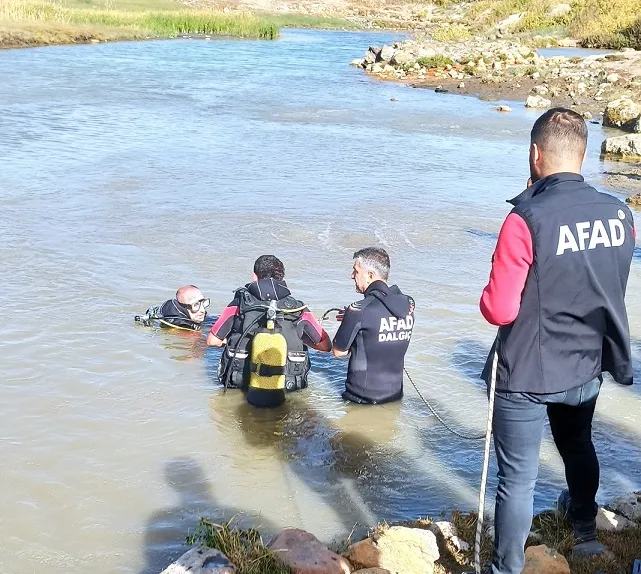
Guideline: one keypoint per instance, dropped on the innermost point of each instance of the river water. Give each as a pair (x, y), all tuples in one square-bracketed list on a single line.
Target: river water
[(130, 169)]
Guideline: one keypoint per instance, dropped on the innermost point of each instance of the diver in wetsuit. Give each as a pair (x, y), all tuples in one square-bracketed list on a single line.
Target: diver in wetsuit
[(375, 332), (186, 311)]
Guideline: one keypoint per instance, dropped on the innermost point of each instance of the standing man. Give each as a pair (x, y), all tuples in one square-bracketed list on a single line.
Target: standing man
[(556, 291), (375, 332)]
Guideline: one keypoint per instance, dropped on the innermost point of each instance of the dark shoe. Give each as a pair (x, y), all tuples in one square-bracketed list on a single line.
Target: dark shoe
[(591, 548), (584, 530)]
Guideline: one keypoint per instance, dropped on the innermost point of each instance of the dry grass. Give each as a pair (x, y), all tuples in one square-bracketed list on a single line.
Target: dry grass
[(556, 533), (604, 23), (244, 548), (452, 33)]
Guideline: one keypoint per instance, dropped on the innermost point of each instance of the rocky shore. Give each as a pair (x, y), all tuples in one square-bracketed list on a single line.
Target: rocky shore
[(507, 69), (420, 547)]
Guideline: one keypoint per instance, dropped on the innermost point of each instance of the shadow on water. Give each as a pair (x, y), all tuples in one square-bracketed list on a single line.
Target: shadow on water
[(613, 440), (166, 530)]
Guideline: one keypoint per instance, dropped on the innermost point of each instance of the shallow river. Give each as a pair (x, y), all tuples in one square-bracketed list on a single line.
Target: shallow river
[(130, 169)]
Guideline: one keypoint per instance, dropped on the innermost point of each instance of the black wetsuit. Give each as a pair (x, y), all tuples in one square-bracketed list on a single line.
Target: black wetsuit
[(377, 331)]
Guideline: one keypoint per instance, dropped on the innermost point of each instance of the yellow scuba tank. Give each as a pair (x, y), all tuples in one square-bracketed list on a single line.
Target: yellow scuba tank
[(268, 364)]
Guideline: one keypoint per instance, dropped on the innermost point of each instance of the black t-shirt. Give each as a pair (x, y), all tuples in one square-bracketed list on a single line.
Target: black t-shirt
[(377, 332)]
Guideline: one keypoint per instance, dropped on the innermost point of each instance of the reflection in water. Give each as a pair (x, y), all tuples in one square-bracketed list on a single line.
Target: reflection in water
[(129, 169)]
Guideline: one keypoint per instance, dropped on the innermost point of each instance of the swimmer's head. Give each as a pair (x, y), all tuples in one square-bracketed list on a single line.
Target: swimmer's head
[(192, 300)]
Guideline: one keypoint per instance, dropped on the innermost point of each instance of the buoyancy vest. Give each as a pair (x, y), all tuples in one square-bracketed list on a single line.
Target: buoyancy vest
[(253, 301), (171, 314)]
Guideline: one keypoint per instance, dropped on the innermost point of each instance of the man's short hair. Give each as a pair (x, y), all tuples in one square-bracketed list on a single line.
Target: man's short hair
[(561, 132), (269, 267), (374, 259)]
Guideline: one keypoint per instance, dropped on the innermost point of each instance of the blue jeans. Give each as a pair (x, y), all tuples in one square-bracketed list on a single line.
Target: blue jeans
[(519, 419)]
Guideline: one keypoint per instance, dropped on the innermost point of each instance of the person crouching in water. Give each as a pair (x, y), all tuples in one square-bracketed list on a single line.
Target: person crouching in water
[(375, 332), (246, 316), (186, 311)]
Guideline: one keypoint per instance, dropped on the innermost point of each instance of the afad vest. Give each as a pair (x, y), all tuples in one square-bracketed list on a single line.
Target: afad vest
[(235, 360), (572, 324)]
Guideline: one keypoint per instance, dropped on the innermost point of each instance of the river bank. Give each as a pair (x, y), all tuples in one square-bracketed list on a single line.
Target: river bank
[(417, 547), (29, 23), (506, 69)]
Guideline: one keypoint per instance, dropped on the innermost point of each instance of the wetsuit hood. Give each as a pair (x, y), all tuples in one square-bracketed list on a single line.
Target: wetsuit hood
[(175, 313), (397, 303), (268, 289)]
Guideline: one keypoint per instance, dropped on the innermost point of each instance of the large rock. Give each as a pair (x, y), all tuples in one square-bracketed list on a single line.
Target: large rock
[(622, 113), (201, 560), (305, 554), (544, 560), (398, 549), (625, 146), (386, 53), (373, 571), (537, 102), (401, 58), (610, 521), (630, 504), (510, 21), (370, 57)]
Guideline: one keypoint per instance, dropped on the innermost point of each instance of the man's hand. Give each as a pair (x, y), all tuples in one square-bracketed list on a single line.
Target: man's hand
[(341, 315)]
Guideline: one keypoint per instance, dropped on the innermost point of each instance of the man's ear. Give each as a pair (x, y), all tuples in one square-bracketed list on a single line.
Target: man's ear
[(535, 153)]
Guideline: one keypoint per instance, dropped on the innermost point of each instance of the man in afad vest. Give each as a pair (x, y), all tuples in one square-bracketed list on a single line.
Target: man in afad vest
[(244, 317), (375, 332), (556, 291)]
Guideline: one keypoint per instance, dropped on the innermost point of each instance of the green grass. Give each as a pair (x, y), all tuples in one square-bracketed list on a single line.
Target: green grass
[(245, 548), (31, 22), (438, 61), (293, 20)]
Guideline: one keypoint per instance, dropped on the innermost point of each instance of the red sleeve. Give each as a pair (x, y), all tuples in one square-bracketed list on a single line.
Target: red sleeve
[(513, 256), (311, 328), (222, 327)]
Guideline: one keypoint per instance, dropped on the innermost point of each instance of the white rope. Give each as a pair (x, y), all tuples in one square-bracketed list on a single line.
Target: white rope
[(486, 462)]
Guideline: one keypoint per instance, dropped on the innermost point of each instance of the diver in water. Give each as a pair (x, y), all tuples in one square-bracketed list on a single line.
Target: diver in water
[(244, 322), (186, 311)]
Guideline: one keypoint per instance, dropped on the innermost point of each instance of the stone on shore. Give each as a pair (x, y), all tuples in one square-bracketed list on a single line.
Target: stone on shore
[(449, 532), (386, 53), (610, 521), (400, 58), (398, 549), (537, 102), (622, 113), (625, 146), (629, 505), (201, 560), (305, 554), (544, 560), (371, 55), (510, 21), (358, 62), (373, 571), (634, 200)]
